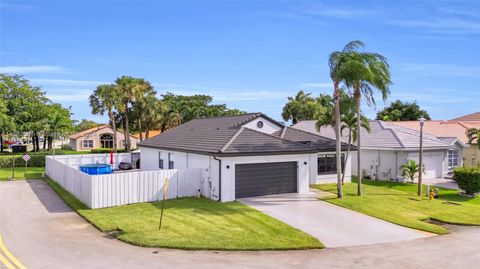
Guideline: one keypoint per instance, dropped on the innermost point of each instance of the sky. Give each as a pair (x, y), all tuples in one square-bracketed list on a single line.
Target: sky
[(250, 55)]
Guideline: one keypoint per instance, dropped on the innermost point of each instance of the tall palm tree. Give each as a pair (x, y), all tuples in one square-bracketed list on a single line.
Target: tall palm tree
[(130, 89), (348, 120), (366, 71), (473, 134), (338, 74), (104, 99)]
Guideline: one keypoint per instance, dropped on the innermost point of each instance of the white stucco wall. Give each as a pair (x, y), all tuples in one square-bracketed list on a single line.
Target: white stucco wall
[(268, 126), (182, 160)]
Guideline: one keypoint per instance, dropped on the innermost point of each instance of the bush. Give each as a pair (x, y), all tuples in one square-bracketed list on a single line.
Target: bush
[(35, 161), (105, 150), (66, 147), (468, 179)]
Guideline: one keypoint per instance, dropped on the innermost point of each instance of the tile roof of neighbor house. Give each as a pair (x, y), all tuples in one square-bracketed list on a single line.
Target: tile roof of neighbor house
[(470, 117), (382, 135), (319, 142), (225, 136), (441, 128), (94, 129)]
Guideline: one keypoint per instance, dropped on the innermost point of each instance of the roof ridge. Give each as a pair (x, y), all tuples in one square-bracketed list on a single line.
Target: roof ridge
[(284, 130), (391, 130), (227, 116), (230, 141), (283, 139)]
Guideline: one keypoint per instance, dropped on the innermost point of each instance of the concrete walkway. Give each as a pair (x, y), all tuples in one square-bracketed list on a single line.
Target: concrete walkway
[(42, 232), (333, 225)]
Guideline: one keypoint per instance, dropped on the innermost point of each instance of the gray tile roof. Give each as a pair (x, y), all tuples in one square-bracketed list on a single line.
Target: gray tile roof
[(224, 136), (319, 142), (382, 135)]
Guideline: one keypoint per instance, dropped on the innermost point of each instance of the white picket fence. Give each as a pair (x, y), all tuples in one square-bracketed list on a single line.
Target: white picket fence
[(98, 191)]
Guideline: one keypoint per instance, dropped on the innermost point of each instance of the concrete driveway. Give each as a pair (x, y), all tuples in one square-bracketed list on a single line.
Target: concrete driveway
[(333, 225), (42, 232)]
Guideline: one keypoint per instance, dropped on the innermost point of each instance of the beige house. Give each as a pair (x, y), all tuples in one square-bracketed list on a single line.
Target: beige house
[(100, 137)]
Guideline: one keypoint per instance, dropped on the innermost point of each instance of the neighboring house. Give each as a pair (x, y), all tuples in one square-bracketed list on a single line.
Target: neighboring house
[(470, 117), (151, 134), (388, 146), (451, 128), (99, 137), (244, 155)]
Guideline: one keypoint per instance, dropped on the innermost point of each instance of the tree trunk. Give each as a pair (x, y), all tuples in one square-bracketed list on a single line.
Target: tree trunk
[(348, 154), (50, 142), (33, 141), (336, 96), (359, 157), (1, 142), (147, 133), (44, 142), (127, 130), (114, 127), (140, 128)]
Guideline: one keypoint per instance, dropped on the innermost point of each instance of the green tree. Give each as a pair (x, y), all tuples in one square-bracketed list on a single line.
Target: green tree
[(59, 123), (473, 135), (340, 72), (103, 100), (365, 72), (348, 120), (129, 90), (300, 107), (402, 111)]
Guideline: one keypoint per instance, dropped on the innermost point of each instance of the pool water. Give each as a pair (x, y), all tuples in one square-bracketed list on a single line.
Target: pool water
[(96, 169)]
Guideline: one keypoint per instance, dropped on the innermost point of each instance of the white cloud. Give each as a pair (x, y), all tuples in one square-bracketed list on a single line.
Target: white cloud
[(29, 69), (66, 82), (338, 12), (440, 70), (69, 96)]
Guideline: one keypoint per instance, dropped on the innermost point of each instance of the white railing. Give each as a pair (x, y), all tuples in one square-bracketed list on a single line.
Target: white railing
[(98, 191)]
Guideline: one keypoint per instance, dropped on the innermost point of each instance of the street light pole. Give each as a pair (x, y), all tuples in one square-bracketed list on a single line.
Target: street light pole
[(420, 158)]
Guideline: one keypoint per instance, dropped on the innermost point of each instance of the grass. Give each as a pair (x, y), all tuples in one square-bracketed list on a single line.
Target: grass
[(191, 223), (32, 173), (398, 203)]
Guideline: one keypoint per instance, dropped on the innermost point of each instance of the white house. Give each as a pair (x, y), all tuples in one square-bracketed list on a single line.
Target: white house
[(388, 146), (245, 155)]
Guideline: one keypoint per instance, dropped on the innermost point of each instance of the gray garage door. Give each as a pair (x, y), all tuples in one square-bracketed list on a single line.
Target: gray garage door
[(255, 179)]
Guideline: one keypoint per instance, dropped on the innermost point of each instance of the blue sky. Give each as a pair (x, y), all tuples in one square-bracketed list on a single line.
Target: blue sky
[(250, 55)]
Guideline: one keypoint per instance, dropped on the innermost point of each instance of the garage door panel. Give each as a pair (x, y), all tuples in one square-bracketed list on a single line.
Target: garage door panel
[(265, 178)]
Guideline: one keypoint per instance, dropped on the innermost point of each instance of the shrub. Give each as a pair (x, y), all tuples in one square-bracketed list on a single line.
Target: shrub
[(66, 147), (468, 179), (35, 161), (105, 150)]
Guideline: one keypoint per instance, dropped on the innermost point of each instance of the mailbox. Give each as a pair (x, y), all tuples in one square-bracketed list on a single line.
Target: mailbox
[(19, 148)]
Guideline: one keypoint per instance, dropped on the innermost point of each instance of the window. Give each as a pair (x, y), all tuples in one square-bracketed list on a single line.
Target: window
[(452, 157), (170, 161), (327, 163), (106, 140), (260, 124), (160, 160), (88, 143)]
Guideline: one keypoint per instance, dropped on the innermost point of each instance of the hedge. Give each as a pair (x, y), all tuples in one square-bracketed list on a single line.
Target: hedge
[(35, 161), (468, 179), (106, 150)]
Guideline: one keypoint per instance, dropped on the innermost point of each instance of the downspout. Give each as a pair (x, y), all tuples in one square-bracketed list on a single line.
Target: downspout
[(219, 178)]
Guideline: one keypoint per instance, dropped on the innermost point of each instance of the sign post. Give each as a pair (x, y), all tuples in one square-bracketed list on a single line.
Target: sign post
[(26, 158)]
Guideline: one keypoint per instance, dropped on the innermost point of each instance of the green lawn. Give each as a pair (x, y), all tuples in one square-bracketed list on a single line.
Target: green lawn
[(32, 173), (398, 203), (190, 223)]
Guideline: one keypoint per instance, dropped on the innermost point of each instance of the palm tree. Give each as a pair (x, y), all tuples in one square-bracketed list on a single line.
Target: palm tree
[(130, 89), (300, 107), (348, 119), (411, 169), (365, 71), (338, 74), (473, 134), (104, 99)]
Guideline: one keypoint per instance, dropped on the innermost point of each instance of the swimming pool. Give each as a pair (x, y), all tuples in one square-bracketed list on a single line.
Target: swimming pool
[(96, 169)]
